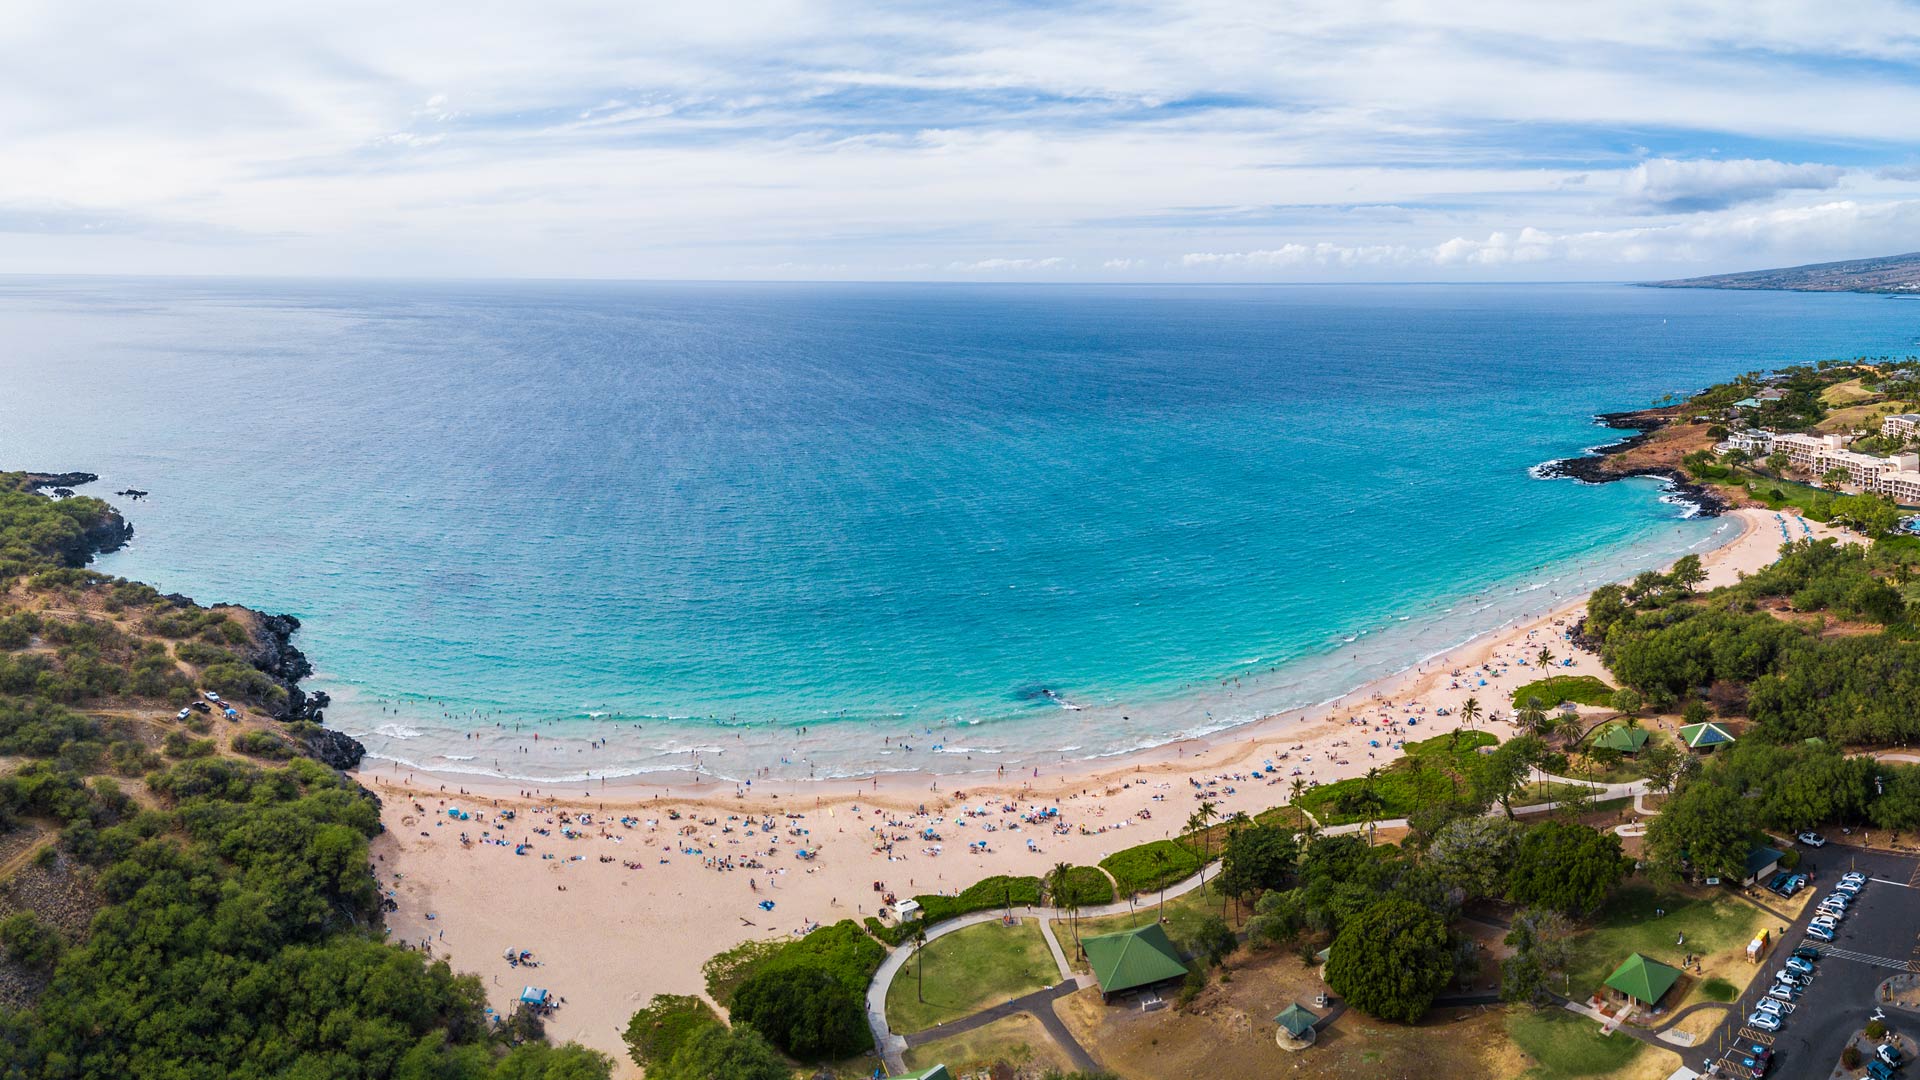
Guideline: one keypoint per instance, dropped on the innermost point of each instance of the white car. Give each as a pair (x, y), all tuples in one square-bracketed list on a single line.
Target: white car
[(1854, 875), (1813, 839), (1764, 1021), (1839, 896), (1782, 992), (1831, 905), (1819, 933), (1851, 888), (1790, 978), (1768, 1005)]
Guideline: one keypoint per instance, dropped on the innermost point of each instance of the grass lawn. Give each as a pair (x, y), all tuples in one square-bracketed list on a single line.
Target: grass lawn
[(1716, 925), (1565, 1044), (1580, 689), (967, 971), (1018, 1041)]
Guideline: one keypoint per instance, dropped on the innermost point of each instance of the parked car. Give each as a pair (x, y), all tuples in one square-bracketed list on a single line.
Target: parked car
[(1798, 964), (1837, 897), (1890, 1054), (1878, 1070), (183, 714), (1819, 933), (1789, 978), (200, 706), (1813, 839), (1825, 922), (210, 695), (1784, 992), (1848, 888), (1854, 875), (1806, 952), (1764, 1022), (1768, 1005), (1756, 1058)]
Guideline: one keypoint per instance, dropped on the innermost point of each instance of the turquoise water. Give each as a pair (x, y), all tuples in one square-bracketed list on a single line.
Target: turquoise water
[(1000, 525)]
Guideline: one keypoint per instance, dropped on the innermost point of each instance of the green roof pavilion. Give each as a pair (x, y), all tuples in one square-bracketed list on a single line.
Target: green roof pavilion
[(1133, 958), (1642, 979), (1622, 738), (1704, 736), (938, 1072), (1296, 1020)]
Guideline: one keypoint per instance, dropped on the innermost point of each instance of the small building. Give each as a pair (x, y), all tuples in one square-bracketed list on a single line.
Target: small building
[(1643, 980), (1704, 736), (1627, 740), (1133, 959), (906, 911), (1762, 861), (1296, 1027)]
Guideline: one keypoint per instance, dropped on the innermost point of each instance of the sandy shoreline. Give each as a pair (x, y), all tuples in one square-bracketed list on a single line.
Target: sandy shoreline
[(624, 909)]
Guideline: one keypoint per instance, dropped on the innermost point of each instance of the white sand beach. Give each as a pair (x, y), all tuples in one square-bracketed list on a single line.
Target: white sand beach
[(617, 901)]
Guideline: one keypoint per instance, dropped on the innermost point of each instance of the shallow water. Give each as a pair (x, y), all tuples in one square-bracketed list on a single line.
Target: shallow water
[(998, 525)]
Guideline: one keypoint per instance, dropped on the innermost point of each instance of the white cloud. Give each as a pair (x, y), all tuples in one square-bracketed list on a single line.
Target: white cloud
[(1664, 185), (831, 138), (994, 266)]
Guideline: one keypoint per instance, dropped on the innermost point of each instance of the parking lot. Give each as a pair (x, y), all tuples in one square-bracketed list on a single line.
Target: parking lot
[(1877, 939)]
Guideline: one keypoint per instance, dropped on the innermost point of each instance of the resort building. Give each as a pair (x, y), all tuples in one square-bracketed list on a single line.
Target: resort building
[(1901, 426), (1806, 451), (1756, 442)]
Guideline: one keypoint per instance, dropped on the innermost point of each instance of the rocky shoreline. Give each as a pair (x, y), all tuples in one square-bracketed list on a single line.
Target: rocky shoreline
[(1601, 464), (271, 650)]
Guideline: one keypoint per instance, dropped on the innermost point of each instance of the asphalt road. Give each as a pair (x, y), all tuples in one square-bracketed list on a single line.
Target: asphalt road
[(1877, 940)]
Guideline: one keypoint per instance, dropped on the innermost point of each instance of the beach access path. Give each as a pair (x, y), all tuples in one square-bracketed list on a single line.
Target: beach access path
[(892, 1045)]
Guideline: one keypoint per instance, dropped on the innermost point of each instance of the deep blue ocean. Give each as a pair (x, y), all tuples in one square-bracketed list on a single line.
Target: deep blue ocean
[(998, 524)]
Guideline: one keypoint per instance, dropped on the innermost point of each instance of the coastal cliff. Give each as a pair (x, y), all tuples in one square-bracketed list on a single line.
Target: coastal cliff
[(86, 527), (1661, 439)]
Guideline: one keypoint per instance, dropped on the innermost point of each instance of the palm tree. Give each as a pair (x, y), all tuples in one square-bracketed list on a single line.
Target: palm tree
[(919, 960), (1066, 898), (1545, 656), (1294, 789), (1162, 860), (1370, 802), (1532, 716), (1197, 826)]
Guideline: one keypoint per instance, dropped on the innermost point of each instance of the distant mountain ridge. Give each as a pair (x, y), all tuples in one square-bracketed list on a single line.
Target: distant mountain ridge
[(1886, 274)]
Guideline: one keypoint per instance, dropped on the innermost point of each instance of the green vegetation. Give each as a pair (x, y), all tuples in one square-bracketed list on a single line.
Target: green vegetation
[(1566, 1045), (1579, 689), (237, 933), (1714, 922), (1000, 891), (1436, 770), (1085, 886), (1392, 959), (1152, 865), (659, 1030), (965, 971)]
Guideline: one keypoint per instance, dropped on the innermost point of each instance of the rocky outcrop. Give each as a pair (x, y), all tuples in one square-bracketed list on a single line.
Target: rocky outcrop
[(274, 654), (1604, 464), (334, 748), (107, 531)]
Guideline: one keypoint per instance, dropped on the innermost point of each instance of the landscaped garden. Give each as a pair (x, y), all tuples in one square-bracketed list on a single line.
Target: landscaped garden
[(968, 970)]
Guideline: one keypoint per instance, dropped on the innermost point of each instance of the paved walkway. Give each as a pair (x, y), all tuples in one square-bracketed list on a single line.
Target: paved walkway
[(891, 1046)]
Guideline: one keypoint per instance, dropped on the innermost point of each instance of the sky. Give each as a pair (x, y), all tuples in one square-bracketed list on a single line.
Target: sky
[(979, 141)]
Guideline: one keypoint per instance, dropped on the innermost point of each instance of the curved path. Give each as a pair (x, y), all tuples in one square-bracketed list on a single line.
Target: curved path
[(891, 1045)]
